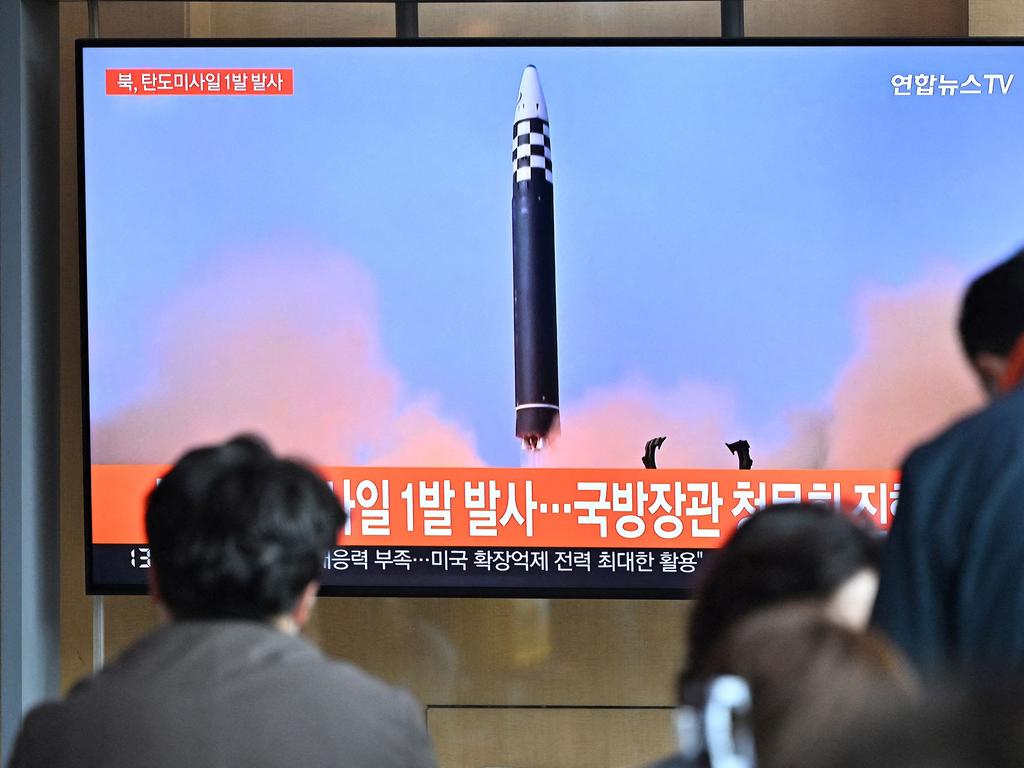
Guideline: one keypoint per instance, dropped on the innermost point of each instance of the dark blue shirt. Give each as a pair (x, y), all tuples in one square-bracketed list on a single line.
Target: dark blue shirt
[(952, 581)]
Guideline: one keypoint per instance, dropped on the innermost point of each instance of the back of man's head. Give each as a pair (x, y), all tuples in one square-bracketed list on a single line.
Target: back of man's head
[(992, 314), (237, 532)]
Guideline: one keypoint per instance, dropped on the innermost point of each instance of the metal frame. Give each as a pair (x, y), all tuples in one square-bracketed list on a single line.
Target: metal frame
[(732, 19), (407, 19)]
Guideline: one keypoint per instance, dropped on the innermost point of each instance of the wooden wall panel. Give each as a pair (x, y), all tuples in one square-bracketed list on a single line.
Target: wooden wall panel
[(76, 640), (997, 18), (140, 18), (274, 19), (550, 738), (855, 18), (626, 19), (508, 652)]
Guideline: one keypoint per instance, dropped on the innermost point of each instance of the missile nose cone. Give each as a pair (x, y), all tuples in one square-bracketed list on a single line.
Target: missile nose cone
[(531, 97)]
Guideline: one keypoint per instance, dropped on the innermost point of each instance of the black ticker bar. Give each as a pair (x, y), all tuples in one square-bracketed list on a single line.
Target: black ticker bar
[(463, 570)]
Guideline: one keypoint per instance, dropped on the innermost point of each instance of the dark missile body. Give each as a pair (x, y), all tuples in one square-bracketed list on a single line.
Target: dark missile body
[(533, 270)]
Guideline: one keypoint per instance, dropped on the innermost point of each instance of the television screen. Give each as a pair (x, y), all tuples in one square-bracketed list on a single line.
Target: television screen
[(552, 318)]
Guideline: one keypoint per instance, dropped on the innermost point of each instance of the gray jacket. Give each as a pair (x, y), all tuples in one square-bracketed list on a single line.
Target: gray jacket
[(221, 694)]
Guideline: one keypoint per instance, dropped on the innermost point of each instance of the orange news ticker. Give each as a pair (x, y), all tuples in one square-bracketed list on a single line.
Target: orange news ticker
[(706, 504)]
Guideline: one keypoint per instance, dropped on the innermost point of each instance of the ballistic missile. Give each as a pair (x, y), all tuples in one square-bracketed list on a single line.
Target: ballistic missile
[(533, 268)]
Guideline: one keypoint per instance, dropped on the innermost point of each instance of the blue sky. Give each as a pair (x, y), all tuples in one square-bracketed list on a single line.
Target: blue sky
[(718, 211)]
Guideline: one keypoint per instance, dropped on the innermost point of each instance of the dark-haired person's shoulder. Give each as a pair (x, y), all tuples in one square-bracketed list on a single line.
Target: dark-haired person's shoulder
[(383, 724), (948, 481), (35, 745), (392, 715), (271, 688), (368, 689), (996, 429)]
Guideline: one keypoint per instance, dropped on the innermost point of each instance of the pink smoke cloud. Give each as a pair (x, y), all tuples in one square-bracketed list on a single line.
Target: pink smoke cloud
[(805, 446), (290, 348), (905, 381), (423, 439), (284, 342), (908, 377), (609, 427)]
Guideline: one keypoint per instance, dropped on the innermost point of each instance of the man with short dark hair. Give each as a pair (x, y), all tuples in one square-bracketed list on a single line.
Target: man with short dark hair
[(952, 581), (237, 536)]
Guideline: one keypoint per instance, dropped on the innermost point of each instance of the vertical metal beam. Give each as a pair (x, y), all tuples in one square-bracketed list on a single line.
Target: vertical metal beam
[(732, 18), (99, 626), (94, 18), (29, 459), (407, 19)]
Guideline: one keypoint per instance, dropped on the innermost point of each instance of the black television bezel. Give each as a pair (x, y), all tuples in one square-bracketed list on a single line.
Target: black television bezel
[(94, 588)]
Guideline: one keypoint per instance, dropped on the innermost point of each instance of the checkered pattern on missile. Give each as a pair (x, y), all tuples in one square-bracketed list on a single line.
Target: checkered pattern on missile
[(531, 151)]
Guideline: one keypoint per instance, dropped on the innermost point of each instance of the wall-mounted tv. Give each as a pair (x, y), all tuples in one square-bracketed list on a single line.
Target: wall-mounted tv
[(471, 280)]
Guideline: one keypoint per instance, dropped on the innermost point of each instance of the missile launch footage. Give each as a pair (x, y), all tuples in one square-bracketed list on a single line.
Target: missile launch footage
[(756, 251), (533, 268)]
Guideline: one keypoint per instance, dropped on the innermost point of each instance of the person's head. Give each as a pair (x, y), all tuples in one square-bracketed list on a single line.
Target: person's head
[(808, 678), (992, 320), (787, 552), (237, 532)]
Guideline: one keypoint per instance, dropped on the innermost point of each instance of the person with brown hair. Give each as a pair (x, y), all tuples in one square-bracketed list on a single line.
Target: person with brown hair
[(786, 553), (808, 677)]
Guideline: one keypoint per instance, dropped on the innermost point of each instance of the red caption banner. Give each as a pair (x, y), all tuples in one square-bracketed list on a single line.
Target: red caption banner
[(200, 82), (579, 508)]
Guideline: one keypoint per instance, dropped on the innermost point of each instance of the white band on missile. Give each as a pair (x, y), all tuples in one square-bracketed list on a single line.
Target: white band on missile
[(525, 150), (525, 174), (537, 405)]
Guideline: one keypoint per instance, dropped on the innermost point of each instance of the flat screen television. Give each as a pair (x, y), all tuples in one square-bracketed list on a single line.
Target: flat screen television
[(471, 280)]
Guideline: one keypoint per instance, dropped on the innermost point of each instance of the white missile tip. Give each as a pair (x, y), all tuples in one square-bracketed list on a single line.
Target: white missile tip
[(531, 98)]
